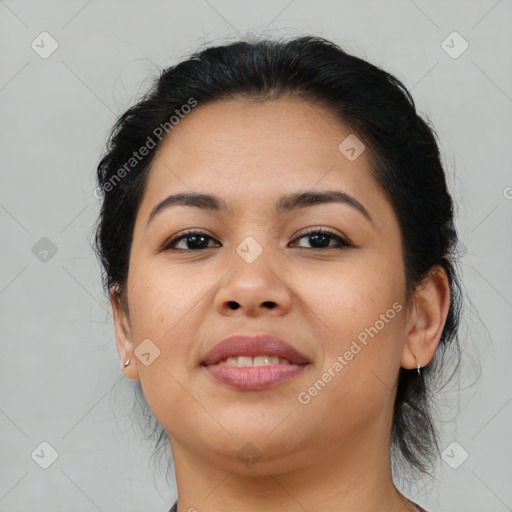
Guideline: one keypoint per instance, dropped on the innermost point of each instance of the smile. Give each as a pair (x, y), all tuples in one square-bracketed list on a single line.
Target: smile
[(253, 361)]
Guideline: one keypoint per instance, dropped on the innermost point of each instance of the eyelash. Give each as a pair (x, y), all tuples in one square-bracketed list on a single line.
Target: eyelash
[(342, 242)]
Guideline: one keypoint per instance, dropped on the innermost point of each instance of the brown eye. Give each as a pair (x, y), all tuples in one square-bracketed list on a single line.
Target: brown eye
[(193, 241), (320, 238), (197, 240)]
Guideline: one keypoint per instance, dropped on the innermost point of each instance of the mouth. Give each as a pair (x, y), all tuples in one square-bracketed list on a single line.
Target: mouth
[(251, 363), (260, 360)]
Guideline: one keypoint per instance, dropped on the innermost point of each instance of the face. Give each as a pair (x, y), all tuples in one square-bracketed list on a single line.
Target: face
[(339, 301)]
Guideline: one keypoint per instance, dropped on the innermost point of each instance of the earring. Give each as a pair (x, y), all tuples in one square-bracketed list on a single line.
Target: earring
[(126, 363), (418, 367)]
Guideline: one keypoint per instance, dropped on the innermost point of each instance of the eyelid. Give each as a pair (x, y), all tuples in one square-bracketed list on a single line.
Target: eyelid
[(343, 241), (184, 234), (320, 229)]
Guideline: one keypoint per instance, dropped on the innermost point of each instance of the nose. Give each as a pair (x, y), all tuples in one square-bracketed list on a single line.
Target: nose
[(253, 289)]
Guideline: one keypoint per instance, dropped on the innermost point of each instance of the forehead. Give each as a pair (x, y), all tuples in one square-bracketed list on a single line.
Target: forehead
[(245, 127), (248, 150)]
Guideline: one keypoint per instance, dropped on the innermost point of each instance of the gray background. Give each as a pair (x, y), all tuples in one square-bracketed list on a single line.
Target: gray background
[(59, 367)]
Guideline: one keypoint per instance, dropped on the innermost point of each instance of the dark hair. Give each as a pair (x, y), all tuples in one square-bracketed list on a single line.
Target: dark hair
[(404, 158)]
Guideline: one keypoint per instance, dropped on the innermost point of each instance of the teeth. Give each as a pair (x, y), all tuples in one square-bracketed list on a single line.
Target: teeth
[(264, 360), (244, 361), (254, 361)]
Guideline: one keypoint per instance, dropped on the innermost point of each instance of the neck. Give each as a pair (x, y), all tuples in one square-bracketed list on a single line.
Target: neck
[(351, 476)]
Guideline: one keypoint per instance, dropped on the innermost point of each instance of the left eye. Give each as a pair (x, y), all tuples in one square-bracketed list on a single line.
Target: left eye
[(319, 236), (195, 240)]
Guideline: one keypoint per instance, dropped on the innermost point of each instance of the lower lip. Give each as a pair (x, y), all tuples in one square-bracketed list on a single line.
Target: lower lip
[(253, 378)]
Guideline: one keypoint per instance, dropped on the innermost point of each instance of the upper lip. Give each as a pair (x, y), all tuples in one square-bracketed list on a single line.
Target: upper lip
[(252, 346)]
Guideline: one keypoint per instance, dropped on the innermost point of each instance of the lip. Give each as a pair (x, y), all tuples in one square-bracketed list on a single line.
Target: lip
[(252, 346), (253, 378)]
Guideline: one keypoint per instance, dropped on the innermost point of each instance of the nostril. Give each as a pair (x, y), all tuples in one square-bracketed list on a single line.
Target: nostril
[(233, 305)]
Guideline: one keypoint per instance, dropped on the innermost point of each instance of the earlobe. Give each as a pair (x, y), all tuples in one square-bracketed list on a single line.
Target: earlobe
[(123, 334), (427, 319)]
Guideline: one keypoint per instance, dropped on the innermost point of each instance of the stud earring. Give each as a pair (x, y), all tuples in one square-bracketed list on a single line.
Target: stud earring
[(126, 363), (418, 368)]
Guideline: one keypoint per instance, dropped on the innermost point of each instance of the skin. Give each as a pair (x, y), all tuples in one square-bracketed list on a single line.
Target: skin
[(332, 453)]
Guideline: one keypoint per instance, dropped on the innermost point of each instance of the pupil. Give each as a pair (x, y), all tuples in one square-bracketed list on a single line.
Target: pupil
[(196, 237), (321, 240), (320, 236)]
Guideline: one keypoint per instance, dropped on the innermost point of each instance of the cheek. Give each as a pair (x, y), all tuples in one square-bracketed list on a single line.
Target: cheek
[(358, 319), (356, 311), (161, 294), (345, 298), (166, 306), (162, 310)]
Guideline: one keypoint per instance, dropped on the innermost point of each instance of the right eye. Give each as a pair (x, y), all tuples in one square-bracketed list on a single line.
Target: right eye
[(193, 241)]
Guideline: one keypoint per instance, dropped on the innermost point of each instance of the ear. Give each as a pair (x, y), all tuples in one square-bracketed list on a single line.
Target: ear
[(123, 332), (431, 303)]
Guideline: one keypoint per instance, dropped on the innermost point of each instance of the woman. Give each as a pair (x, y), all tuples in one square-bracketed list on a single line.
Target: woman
[(276, 236)]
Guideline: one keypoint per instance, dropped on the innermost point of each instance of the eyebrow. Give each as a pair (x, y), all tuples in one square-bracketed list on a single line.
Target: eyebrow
[(285, 204)]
